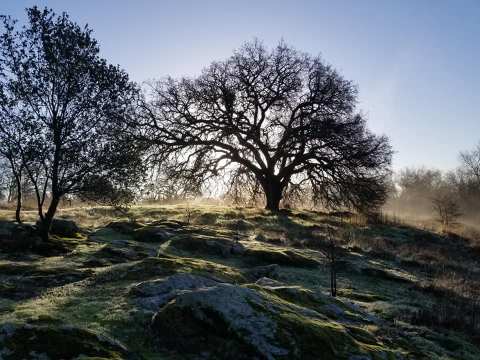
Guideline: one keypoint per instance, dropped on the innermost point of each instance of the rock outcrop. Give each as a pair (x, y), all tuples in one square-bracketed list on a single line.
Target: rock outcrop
[(18, 237), (152, 233), (207, 245), (153, 294), (29, 341), (280, 256), (64, 227), (196, 315)]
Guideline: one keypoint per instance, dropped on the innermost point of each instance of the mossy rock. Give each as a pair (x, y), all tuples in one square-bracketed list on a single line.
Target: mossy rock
[(16, 268), (361, 335), (13, 290), (6, 228), (155, 234), (280, 256), (56, 342), (57, 245), (203, 244), (59, 277), (207, 219), (258, 272), (64, 227), (227, 321), (32, 270), (328, 306), (169, 224), (240, 225), (18, 237), (143, 269), (28, 282), (384, 275), (165, 265), (361, 296), (153, 294), (108, 255), (295, 294), (124, 227), (204, 322)]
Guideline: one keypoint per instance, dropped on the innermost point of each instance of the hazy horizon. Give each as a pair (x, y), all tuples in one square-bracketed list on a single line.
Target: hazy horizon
[(415, 63)]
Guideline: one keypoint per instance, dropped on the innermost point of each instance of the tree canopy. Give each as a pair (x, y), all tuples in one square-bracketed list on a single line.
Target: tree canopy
[(63, 108)]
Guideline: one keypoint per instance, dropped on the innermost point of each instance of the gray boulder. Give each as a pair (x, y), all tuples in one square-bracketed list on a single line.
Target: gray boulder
[(285, 257), (124, 227), (30, 341), (18, 237), (151, 295), (207, 245), (257, 272), (63, 227), (269, 283), (231, 311), (152, 234), (237, 248), (240, 322)]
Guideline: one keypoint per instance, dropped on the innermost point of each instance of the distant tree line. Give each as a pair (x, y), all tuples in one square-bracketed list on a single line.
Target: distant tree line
[(273, 126), (449, 195)]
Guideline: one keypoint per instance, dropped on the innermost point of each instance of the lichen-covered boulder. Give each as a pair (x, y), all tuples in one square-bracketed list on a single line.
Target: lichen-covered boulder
[(207, 245), (153, 294), (280, 256), (238, 248), (220, 321), (236, 322), (257, 272), (124, 227), (110, 254), (240, 225), (152, 234), (268, 283), (18, 237), (330, 307), (29, 341), (171, 224), (385, 274), (166, 265), (63, 227), (6, 229)]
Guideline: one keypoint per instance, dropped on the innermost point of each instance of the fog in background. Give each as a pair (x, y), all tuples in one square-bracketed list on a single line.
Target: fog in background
[(415, 190)]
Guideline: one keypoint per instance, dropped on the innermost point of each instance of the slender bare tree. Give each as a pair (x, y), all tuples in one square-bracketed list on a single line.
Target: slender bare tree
[(447, 209), (470, 161)]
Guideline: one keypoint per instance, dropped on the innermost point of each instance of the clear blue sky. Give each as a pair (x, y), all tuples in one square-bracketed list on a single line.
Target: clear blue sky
[(417, 63)]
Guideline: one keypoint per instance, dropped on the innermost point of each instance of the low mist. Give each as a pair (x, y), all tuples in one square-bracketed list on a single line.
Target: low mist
[(425, 195)]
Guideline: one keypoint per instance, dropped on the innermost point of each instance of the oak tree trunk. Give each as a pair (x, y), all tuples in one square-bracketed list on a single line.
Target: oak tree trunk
[(18, 181), (273, 194), (46, 222)]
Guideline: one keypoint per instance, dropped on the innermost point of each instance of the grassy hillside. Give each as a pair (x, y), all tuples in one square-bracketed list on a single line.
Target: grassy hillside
[(213, 282)]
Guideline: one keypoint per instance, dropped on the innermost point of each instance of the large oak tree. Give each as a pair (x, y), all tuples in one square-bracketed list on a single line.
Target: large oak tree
[(284, 117)]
